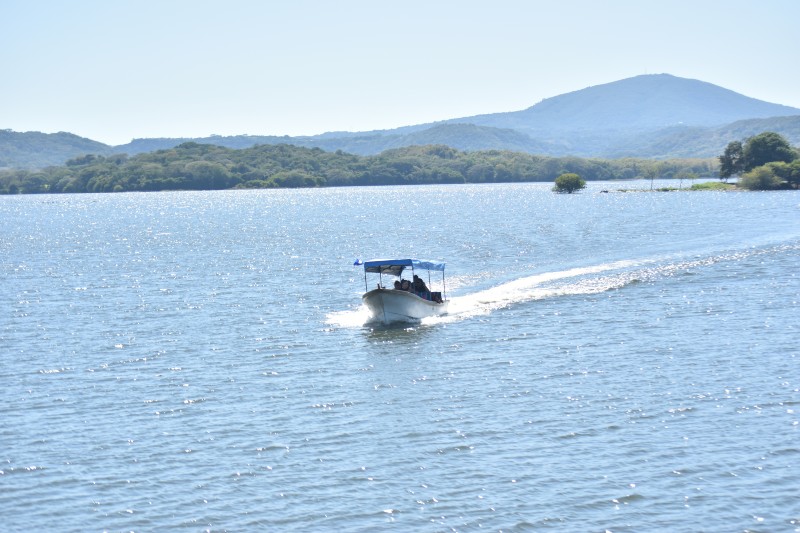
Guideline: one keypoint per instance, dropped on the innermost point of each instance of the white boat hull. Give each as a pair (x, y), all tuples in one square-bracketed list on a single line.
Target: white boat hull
[(389, 305)]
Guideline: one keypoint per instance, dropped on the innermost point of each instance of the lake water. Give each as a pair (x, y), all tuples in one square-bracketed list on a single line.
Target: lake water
[(199, 361)]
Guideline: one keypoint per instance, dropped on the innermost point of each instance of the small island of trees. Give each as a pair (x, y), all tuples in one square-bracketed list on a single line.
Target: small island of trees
[(763, 162)]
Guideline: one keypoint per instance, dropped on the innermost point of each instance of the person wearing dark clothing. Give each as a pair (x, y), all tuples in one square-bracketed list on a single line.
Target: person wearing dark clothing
[(420, 288)]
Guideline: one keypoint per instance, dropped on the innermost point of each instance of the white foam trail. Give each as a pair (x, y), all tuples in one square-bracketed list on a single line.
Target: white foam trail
[(530, 288), (352, 318)]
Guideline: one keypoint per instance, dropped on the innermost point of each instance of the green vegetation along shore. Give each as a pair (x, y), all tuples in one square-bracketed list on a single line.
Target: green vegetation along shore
[(193, 166)]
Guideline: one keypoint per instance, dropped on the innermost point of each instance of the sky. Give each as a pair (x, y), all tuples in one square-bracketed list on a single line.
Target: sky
[(116, 70)]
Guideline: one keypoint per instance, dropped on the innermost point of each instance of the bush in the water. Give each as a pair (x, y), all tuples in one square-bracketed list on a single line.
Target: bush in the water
[(569, 183)]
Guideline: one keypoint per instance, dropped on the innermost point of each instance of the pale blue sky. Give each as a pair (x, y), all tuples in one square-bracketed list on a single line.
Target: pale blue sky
[(117, 70)]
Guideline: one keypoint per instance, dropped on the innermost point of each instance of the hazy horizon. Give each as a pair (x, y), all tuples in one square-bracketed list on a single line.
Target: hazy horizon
[(117, 71)]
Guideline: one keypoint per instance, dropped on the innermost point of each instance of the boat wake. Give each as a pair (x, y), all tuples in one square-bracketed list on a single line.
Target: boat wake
[(575, 281), (351, 318)]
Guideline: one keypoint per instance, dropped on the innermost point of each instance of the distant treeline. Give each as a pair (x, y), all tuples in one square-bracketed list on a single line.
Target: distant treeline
[(193, 166)]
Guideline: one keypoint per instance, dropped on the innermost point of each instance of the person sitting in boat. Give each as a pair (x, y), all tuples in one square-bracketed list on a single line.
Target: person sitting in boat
[(397, 284), (420, 288), (405, 285)]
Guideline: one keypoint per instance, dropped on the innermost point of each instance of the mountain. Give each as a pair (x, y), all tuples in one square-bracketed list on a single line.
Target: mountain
[(647, 102), (653, 116), (649, 116)]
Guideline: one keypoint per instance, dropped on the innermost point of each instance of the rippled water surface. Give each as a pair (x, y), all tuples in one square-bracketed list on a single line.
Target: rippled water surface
[(199, 361)]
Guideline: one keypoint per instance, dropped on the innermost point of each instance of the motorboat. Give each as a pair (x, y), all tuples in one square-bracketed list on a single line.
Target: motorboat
[(408, 298)]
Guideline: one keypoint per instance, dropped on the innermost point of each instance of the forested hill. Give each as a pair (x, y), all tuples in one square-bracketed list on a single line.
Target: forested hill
[(459, 136), (193, 166), (36, 150), (686, 141)]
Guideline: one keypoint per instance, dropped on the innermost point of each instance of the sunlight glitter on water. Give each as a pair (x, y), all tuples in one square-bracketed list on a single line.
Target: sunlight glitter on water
[(606, 357)]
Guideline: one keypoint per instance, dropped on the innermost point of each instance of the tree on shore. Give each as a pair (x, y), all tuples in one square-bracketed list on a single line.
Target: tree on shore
[(760, 179), (731, 162), (766, 148), (774, 175), (756, 151), (569, 183), (789, 172)]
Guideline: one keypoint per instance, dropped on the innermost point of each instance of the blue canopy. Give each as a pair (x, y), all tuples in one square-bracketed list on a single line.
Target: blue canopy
[(395, 267)]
